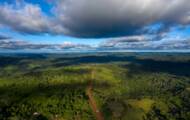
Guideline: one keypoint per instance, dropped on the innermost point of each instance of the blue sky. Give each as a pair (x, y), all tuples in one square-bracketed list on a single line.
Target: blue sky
[(98, 25)]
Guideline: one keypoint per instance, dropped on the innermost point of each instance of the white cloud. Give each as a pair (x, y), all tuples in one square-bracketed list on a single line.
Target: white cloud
[(28, 18)]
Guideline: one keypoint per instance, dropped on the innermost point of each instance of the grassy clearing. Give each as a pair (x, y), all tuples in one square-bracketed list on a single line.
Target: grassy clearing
[(145, 104)]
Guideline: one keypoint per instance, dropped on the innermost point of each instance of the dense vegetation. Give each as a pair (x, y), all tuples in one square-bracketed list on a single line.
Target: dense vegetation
[(127, 86)]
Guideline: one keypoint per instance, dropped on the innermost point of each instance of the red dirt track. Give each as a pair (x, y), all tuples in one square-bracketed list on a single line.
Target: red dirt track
[(92, 101)]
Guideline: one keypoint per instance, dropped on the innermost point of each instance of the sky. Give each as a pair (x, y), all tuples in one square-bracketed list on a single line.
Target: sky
[(94, 25)]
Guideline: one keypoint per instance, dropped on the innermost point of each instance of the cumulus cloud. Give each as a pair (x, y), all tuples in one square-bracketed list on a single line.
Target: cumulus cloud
[(10, 44), (95, 18), (145, 43), (174, 45), (74, 46), (28, 18), (142, 43), (25, 19), (112, 42), (19, 44), (164, 44)]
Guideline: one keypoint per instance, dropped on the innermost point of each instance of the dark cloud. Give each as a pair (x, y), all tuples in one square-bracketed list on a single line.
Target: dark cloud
[(111, 18), (96, 18)]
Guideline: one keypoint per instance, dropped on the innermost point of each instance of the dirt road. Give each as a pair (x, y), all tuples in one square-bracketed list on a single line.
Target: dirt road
[(93, 104), (92, 101)]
